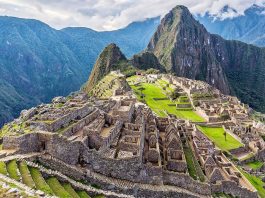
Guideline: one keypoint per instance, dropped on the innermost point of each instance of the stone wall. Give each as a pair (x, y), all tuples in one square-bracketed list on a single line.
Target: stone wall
[(115, 131), (136, 190), (143, 193), (239, 150), (142, 140), (24, 143), (126, 116), (65, 120), (183, 105), (186, 182), (61, 148), (69, 131), (54, 165), (202, 113), (130, 168), (261, 155), (237, 191)]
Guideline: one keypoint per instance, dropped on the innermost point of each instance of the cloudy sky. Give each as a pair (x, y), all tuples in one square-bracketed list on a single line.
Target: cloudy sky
[(112, 14)]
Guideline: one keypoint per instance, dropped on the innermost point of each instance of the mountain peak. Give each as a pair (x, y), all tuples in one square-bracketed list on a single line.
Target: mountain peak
[(179, 12), (181, 8), (106, 62), (185, 48)]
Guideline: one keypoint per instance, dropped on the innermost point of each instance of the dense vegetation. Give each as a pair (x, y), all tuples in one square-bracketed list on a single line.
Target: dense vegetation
[(35, 59)]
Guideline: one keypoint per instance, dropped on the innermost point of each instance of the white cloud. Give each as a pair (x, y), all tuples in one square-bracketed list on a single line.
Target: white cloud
[(113, 14)]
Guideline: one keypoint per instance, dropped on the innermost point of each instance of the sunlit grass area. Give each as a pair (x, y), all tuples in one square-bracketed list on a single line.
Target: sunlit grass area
[(218, 137), (153, 96), (256, 182), (255, 164)]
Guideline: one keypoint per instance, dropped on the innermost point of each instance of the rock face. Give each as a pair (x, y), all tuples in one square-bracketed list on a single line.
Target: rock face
[(184, 47), (146, 60), (108, 60)]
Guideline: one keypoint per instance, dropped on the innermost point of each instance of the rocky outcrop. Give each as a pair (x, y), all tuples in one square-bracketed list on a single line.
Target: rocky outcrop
[(184, 47), (107, 61), (146, 60)]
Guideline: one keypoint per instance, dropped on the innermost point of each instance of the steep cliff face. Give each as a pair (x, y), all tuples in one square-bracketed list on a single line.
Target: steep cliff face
[(184, 47), (107, 61)]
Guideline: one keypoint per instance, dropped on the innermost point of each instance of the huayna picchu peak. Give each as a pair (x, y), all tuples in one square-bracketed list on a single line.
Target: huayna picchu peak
[(175, 120), (184, 47)]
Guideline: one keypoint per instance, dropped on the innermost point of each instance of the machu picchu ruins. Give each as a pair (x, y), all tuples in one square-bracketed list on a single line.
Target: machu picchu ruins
[(113, 142), (164, 123)]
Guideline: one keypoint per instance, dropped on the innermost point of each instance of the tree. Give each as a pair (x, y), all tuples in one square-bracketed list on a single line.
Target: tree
[(174, 94), (225, 135)]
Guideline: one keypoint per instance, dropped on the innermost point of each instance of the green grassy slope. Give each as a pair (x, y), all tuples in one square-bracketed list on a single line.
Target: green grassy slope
[(159, 102), (217, 136)]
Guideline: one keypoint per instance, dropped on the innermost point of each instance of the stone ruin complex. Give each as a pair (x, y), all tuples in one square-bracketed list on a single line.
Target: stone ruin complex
[(122, 146)]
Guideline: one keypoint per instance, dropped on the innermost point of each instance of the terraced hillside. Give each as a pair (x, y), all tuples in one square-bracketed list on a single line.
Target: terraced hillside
[(105, 87), (39, 182), (156, 96)]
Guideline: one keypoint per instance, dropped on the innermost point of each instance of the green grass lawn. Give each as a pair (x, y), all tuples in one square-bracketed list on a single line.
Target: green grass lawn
[(57, 188), (70, 190), (3, 168), (217, 136), (255, 165), (39, 181), (25, 174), (12, 170), (256, 182), (152, 91), (83, 194)]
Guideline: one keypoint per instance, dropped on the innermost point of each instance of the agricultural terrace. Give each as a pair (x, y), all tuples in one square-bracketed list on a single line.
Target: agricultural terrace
[(33, 178), (154, 95), (255, 181), (217, 135), (255, 164)]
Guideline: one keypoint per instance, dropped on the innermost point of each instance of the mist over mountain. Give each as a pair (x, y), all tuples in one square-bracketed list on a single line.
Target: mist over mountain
[(38, 62), (249, 28)]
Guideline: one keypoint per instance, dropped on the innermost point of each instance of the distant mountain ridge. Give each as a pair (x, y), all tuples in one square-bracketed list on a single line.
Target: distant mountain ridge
[(249, 28), (38, 62)]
